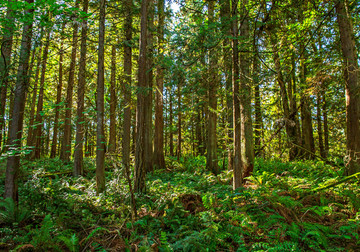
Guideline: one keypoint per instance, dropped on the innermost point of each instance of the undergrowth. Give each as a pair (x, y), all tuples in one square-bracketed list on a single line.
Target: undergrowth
[(186, 208)]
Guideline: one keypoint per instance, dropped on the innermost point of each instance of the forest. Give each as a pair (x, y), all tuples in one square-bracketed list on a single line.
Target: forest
[(179, 125)]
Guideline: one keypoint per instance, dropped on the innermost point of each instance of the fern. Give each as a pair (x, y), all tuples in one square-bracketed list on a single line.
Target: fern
[(11, 214), (70, 242), (165, 246)]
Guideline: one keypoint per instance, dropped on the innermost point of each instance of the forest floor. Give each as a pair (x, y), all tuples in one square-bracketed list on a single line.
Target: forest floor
[(297, 206)]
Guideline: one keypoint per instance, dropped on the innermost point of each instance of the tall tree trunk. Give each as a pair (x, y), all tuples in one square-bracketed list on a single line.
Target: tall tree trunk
[(113, 102), (226, 26), (211, 158), (352, 86), (100, 135), (171, 134), (258, 129), (5, 61), (179, 140), (58, 100), (237, 163), (290, 125), (37, 134), (29, 141), (247, 148), (326, 127), (148, 147), (79, 139), (66, 143), (306, 116), (127, 84), (159, 159), (22, 82), (319, 125), (141, 111)]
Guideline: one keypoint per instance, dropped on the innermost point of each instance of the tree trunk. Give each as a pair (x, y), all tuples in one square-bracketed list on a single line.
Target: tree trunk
[(326, 127), (100, 135), (80, 123), (141, 111), (29, 141), (306, 116), (127, 83), (211, 158), (113, 102), (258, 127), (352, 86), (319, 124), (178, 150), (237, 163), (247, 148), (58, 100), (290, 124), (5, 61), (22, 82), (159, 159), (37, 133), (226, 26), (66, 143), (148, 147), (171, 134)]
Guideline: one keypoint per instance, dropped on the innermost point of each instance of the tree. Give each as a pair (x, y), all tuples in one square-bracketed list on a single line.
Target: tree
[(100, 110), (211, 158), (245, 96), (5, 61), (237, 162), (37, 134), (112, 133), (66, 143), (58, 98), (159, 159), (127, 83), (79, 139), (22, 82), (141, 111), (352, 86)]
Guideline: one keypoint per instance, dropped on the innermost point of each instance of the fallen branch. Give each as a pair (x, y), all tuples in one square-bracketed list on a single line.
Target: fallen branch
[(348, 178)]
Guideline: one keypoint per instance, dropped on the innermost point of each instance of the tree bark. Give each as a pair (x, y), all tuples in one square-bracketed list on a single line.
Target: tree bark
[(29, 141), (5, 62), (66, 143), (127, 83), (226, 26), (352, 87), (141, 111), (306, 115), (319, 125), (237, 163), (171, 134), (211, 158), (22, 82), (148, 147), (58, 100), (179, 140), (326, 127), (80, 123), (113, 102), (258, 127), (100, 109), (37, 134), (290, 123), (247, 148), (159, 158)]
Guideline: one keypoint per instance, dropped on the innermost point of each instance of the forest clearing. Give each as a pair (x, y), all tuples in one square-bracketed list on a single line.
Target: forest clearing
[(153, 125)]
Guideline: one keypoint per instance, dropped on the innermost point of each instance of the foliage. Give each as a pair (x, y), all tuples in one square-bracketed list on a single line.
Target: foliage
[(186, 209)]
